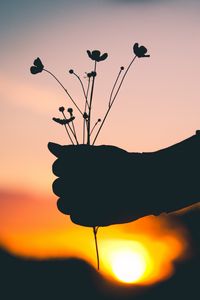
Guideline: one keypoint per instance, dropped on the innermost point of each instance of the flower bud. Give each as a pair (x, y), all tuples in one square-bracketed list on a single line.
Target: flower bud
[(61, 108), (70, 111)]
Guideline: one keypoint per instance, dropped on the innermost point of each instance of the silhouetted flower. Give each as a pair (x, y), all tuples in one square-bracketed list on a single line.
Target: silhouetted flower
[(71, 71), (60, 121), (61, 108), (140, 51), (122, 68), (37, 66), (96, 55), (70, 111), (99, 120), (63, 121)]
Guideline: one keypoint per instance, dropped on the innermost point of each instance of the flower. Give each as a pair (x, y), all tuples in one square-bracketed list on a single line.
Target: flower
[(37, 66), (61, 108), (60, 121), (71, 71), (140, 51), (122, 68), (96, 55), (63, 121)]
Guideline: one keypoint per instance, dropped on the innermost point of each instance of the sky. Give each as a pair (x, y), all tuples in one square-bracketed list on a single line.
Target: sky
[(157, 106)]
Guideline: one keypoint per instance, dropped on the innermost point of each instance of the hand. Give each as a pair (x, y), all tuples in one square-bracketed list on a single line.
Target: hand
[(104, 185)]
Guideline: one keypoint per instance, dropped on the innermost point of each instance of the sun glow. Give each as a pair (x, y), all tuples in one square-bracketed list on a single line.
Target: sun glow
[(128, 266), (141, 252), (126, 261)]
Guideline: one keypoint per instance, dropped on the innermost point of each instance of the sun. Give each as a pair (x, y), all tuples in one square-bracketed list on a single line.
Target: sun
[(128, 266), (127, 261)]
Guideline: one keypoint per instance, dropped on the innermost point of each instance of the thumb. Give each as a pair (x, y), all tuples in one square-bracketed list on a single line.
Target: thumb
[(55, 149)]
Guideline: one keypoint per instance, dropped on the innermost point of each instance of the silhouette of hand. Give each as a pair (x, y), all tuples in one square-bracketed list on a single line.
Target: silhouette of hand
[(104, 185)]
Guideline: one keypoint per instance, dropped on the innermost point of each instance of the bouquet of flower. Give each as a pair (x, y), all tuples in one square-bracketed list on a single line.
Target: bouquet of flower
[(88, 92), (78, 166)]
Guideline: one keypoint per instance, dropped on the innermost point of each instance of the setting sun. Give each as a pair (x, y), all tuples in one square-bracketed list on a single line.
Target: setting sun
[(128, 266), (127, 261)]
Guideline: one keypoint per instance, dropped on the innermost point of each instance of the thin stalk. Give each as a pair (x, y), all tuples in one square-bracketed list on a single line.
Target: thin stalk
[(95, 229), (86, 104), (112, 101), (88, 88), (90, 105), (114, 86), (66, 91), (84, 121), (94, 127), (123, 79), (73, 132), (84, 92), (69, 134)]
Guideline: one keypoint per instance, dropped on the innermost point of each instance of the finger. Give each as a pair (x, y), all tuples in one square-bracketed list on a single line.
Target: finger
[(59, 187), (63, 207)]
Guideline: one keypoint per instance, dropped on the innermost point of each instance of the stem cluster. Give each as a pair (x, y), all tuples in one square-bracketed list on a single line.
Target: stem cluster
[(88, 98)]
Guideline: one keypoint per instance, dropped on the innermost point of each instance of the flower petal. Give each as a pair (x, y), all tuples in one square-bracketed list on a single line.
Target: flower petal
[(60, 121), (143, 50), (135, 48), (103, 56), (37, 62), (89, 54), (34, 70), (96, 54)]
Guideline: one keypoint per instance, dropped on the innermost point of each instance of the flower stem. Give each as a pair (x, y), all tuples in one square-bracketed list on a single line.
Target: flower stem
[(95, 229), (75, 132), (114, 87), (90, 106), (66, 91), (112, 101), (123, 79), (68, 134), (94, 127), (72, 131), (86, 104), (84, 92)]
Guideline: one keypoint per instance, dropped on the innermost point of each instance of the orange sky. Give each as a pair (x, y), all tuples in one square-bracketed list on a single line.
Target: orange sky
[(157, 106)]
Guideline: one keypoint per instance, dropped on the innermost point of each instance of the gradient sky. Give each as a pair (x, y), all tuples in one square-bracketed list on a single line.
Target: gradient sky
[(158, 105)]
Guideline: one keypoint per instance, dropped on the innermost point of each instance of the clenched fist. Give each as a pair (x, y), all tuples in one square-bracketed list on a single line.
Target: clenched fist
[(104, 185)]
